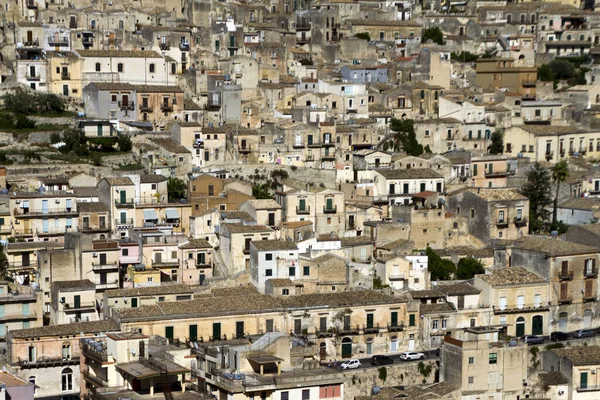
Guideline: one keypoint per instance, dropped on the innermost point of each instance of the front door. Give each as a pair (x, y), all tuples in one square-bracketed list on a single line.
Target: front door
[(520, 327), (216, 331), (65, 90), (103, 258), (103, 278), (347, 348), (77, 301), (193, 333), (537, 325), (169, 333), (45, 225), (323, 351), (369, 347), (25, 259), (123, 195), (239, 329)]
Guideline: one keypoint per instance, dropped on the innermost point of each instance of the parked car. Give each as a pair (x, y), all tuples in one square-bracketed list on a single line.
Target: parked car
[(381, 360), (411, 355), (584, 333), (558, 336), (351, 364), (533, 339)]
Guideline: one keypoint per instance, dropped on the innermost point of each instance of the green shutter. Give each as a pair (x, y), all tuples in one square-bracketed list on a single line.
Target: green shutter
[(394, 318), (193, 333), (169, 333), (411, 320), (216, 331)]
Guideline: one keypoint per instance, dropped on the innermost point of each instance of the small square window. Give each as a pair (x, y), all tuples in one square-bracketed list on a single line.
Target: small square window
[(306, 271), (493, 358), (471, 360), (269, 257), (268, 272), (471, 380)]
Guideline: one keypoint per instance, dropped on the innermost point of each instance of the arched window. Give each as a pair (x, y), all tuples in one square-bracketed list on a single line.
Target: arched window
[(120, 67), (97, 67), (66, 351), (151, 68), (67, 380)]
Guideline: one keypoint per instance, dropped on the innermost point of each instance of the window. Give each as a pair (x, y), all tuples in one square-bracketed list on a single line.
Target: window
[(411, 320), (285, 292), (268, 272), (444, 324), (285, 395), (125, 252), (97, 67), (493, 358), (292, 271), (120, 67), (435, 324), (306, 394), (306, 270), (67, 380), (66, 351), (471, 360), (151, 68), (471, 380), (472, 213), (269, 257)]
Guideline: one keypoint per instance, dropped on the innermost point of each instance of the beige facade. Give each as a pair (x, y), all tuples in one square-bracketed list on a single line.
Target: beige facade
[(20, 306), (506, 73), (43, 215), (73, 301), (489, 171), (119, 195)]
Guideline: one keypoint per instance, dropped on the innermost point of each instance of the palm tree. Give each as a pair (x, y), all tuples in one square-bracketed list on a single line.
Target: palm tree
[(560, 171)]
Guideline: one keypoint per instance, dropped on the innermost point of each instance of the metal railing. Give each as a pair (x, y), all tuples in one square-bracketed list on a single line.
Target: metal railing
[(60, 41), (303, 211), (126, 105), (330, 209), (39, 211), (126, 221)]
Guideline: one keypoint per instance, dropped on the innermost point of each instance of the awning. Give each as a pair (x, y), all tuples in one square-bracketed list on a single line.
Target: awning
[(150, 215), (172, 213)]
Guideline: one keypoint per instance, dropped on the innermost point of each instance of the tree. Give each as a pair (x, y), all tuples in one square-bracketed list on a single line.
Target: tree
[(124, 143), (434, 34), (261, 191), (497, 145), (363, 36), (73, 143), (538, 191), (545, 73), (3, 264), (441, 270), (560, 171), (464, 56), (176, 189), (469, 267), (405, 137)]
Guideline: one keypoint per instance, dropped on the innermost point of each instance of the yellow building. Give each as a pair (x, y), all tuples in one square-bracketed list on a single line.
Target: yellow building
[(64, 73)]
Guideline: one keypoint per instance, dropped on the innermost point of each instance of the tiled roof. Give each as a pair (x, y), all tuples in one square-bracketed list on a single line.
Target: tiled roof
[(119, 181), (552, 378), (553, 246), (170, 145), (426, 294), (389, 246), (150, 291), (413, 173), (458, 289), (76, 328), (435, 308), (281, 282), (152, 178), (119, 53), (195, 244), (92, 206), (267, 245), (356, 241), (581, 355), (582, 203), (237, 227), (264, 204), (510, 276), (498, 194), (84, 284)]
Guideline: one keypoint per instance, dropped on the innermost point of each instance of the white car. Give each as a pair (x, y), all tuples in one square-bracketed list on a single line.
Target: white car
[(411, 355), (351, 364)]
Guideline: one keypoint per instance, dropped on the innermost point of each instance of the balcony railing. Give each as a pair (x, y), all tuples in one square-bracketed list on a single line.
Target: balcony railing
[(565, 300), (30, 43), (298, 145), (549, 155), (565, 275), (125, 221), (80, 306), (93, 228), (65, 76), (373, 328), (590, 273), (90, 352), (166, 107), (104, 266), (503, 223), (350, 330), (32, 77), (164, 46), (395, 328), (145, 108), (515, 309), (302, 210), (520, 222), (184, 46), (330, 209), (126, 105), (36, 212), (589, 297), (528, 83), (124, 202), (60, 41)]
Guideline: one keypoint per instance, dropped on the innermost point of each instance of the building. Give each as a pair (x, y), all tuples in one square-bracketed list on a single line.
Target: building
[(20, 308), (236, 239), (519, 300), (73, 301), (397, 186), (273, 259), (577, 367), (482, 365), (501, 213), (506, 73)]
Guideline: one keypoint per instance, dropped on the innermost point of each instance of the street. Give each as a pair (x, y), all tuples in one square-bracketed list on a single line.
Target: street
[(366, 361)]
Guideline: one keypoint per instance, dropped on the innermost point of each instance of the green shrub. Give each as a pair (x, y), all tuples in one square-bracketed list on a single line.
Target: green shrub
[(363, 36), (125, 144), (22, 122)]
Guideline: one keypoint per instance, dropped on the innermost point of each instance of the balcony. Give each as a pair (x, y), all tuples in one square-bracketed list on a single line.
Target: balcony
[(105, 266), (565, 300), (350, 330), (565, 275), (327, 143), (314, 144), (528, 83), (589, 297), (298, 145), (520, 222), (184, 46), (516, 309), (528, 97), (127, 202), (166, 107), (32, 77), (124, 221), (45, 362), (309, 157), (94, 379), (90, 352), (590, 273), (93, 228), (18, 316), (126, 106), (30, 43), (303, 210), (549, 155), (588, 388), (107, 285), (501, 224), (36, 213), (65, 76), (302, 27), (53, 231), (329, 209), (323, 333), (373, 328), (495, 174), (164, 46), (78, 307), (395, 328), (303, 40), (58, 41), (145, 108), (165, 263), (245, 149)]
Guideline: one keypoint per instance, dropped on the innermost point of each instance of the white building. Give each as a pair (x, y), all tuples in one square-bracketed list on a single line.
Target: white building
[(273, 259)]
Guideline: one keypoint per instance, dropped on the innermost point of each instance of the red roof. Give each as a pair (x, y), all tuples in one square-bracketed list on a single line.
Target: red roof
[(424, 194)]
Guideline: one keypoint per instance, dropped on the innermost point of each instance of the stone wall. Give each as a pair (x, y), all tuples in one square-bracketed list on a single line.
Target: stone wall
[(360, 382)]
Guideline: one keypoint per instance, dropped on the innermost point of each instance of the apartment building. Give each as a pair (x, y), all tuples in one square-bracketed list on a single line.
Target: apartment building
[(22, 259), (507, 73), (137, 297), (49, 356), (73, 301), (236, 239), (273, 259), (207, 192), (403, 272), (490, 171), (118, 195), (94, 219), (20, 308), (501, 213), (265, 212), (578, 366), (519, 300), (397, 186), (196, 257), (482, 365), (43, 215)]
